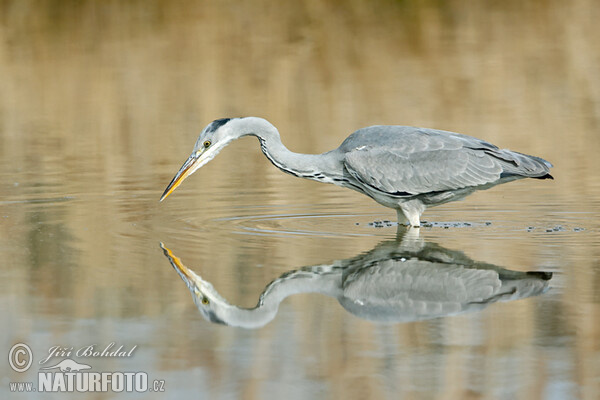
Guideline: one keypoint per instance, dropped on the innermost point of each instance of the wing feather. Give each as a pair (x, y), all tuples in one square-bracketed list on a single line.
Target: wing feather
[(404, 160), (424, 164), (421, 172)]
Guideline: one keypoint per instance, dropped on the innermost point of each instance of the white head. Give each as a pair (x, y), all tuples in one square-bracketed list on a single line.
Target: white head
[(212, 140)]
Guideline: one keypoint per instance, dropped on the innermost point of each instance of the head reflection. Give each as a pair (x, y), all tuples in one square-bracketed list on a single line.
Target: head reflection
[(397, 281)]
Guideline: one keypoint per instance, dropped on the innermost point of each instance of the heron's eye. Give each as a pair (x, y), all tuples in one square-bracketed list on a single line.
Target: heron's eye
[(206, 144), (205, 301)]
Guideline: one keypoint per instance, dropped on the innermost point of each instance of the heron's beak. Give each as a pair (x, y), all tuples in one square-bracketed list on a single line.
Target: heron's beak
[(188, 276), (188, 168)]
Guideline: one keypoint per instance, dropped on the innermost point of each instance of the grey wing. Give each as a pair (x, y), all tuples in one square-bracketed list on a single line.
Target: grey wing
[(423, 161), (423, 172)]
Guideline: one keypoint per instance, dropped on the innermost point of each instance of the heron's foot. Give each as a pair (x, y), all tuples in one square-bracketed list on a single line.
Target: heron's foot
[(410, 212), (402, 220), (407, 231), (408, 225), (414, 220)]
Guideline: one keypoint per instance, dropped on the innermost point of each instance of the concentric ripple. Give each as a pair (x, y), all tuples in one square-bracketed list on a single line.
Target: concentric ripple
[(292, 221)]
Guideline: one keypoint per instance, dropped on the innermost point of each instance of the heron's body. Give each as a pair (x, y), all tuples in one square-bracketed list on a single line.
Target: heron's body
[(401, 167)]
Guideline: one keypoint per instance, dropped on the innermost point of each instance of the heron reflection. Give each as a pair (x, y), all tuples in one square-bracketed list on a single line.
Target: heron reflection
[(397, 281)]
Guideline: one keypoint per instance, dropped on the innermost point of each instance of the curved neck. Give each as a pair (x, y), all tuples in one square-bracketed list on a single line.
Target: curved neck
[(306, 280), (309, 166)]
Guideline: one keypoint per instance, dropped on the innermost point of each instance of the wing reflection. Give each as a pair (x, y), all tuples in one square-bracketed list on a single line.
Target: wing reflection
[(397, 281)]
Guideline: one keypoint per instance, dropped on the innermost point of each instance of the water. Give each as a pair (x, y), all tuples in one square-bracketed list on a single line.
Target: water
[(101, 103)]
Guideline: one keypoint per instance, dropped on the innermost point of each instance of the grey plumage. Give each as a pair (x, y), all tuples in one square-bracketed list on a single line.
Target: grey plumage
[(407, 161), (402, 167)]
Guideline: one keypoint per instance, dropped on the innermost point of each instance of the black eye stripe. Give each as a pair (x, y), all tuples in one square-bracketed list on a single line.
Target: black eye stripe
[(216, 124)]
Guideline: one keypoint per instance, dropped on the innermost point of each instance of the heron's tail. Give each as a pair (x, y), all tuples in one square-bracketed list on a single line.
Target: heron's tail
[(523, 165), (546, 276)]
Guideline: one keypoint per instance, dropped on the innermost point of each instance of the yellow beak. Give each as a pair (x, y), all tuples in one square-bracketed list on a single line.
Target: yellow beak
[(185, 171)]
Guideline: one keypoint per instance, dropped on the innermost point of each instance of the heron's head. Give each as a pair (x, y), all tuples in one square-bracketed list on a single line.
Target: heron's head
[(213, 138), (207, 299)]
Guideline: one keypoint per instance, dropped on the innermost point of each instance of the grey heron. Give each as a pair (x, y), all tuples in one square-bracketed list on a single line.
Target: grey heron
[(401, 167), (394, 282)]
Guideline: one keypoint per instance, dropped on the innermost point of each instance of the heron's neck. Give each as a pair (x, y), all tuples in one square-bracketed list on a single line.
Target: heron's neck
[(309, 166), (306, 280)]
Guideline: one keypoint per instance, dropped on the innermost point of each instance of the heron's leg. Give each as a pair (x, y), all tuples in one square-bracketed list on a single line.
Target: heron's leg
[(409, 218), (402, 220), (414, 219), (412, 211)]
